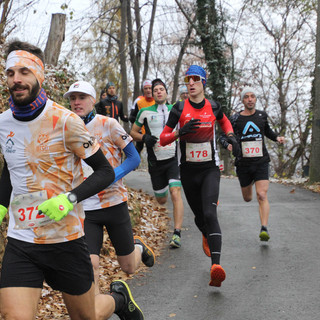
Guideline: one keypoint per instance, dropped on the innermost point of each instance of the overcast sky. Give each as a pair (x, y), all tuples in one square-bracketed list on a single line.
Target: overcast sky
[(34, 24)]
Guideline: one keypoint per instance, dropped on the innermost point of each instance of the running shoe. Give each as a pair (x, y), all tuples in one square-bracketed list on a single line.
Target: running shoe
[(175, 241), (148, 256), (130, 310), (205, 246), (264, 235), (217, 275)]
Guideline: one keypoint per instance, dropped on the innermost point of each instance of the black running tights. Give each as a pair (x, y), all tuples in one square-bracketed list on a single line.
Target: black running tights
[(201, 187)]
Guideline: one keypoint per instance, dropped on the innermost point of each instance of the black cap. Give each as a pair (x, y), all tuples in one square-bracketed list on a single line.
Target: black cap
[(156, 82)]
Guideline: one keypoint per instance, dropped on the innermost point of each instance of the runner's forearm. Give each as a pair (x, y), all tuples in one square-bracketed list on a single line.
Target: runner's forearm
[(5, 186)]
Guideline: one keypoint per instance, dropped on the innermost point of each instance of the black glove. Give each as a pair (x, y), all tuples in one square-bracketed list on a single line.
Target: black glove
[(150, 141), (190, 127), (236, 151)]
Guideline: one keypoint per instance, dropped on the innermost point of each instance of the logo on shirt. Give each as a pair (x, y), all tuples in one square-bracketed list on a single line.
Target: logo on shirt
[(124, 137), (204, 124), (205, 115), (108, 110), (10, 143), (250, 128), (10, 135), (43, 139), (10, 146), (86, 145)]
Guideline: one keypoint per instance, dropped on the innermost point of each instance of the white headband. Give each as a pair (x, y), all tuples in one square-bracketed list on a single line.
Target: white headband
[(146, 83)]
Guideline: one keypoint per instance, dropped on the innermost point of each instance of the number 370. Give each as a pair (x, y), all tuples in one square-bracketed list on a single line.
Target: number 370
[(252, 150)]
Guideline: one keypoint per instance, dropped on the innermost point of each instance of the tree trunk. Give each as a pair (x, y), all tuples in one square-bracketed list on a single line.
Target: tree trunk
[(179, 61), (134, 53), (314, 172), (137, 86), (123, 54), (146, 58), (4, 16), (55, 38)]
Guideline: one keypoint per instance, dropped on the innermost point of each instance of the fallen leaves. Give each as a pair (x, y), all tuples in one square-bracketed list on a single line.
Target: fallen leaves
[(150, 221)]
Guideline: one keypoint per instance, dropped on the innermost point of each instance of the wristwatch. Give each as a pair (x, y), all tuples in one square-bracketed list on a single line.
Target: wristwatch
[(72, 197)]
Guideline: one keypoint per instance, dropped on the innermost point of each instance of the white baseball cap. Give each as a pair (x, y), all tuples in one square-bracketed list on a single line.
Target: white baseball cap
[(81, 86)]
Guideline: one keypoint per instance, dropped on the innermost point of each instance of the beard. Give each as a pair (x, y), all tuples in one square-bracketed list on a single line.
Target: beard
[(24, 101)]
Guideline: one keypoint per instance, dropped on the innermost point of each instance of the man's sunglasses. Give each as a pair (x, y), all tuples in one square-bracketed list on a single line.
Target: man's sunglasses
[(195, 78)]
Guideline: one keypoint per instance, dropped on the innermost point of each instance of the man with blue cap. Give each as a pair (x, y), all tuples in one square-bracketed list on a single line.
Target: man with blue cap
[(199, 162)]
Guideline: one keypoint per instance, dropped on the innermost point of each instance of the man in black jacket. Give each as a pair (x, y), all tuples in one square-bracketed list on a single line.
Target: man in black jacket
[(111, 106)]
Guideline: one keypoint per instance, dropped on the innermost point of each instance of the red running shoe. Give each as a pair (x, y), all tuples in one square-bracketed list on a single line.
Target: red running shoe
[(205, 246), (217, 275)]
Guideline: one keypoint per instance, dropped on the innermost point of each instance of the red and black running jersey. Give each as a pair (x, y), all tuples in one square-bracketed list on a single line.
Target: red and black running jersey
[(199, 147)]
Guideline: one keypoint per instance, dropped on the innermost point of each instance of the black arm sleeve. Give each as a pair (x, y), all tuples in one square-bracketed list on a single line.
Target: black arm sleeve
[(223, 140), (269, 133), (5, 186), (101, 178), (133, 114), (218, 112), (174, 115)]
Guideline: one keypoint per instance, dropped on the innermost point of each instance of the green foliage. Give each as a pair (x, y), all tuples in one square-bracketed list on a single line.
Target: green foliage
[(64, 6), (212, 41)]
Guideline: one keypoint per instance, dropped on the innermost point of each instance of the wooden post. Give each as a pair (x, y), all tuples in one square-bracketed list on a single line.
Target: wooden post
[(55, 38)]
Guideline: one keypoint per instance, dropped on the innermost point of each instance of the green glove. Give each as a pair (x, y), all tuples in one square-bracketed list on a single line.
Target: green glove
[(3, 212), (56, 208)]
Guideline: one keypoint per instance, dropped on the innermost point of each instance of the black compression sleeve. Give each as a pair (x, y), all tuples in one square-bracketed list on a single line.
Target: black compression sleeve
[(5, 186), (269, 133), (101, 178), (174, 116), (133, 114)]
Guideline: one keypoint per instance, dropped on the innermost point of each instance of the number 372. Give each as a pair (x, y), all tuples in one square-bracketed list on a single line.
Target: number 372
[(27, 213)]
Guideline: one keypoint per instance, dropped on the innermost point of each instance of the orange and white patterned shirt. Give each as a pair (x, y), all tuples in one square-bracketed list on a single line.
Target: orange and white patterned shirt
[(112, 139), (44, 160)]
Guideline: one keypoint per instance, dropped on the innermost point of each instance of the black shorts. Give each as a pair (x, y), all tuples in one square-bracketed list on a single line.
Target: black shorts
[(164, 175), (65, 266), (117, 221), (255, 172)]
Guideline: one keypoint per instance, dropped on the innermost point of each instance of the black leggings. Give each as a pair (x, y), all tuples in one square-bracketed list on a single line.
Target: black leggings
[(201, 187)]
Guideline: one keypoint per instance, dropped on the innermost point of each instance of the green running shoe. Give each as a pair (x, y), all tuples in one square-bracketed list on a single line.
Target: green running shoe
[(130, 310), (264, 235), (175, 241)]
